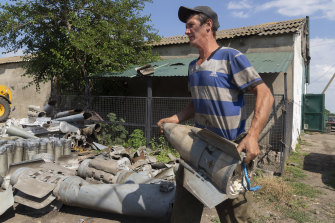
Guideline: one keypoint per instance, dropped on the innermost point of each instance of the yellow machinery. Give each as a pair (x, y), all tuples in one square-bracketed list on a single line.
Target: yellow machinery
[(5, 101)]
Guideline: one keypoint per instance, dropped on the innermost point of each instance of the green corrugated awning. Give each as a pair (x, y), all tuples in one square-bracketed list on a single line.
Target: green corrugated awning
[(268, 62), (163, 68)]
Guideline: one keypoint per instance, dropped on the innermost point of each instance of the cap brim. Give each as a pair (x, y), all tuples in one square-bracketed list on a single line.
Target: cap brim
[(184, 13)]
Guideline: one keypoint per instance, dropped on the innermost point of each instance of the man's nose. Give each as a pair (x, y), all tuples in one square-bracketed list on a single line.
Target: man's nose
[(187, 31)]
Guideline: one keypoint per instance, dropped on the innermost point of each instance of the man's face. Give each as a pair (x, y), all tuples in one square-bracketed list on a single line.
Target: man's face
[(195, 32)]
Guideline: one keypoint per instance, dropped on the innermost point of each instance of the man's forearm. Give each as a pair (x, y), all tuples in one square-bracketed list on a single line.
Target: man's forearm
[(263, 106), (186, 113)]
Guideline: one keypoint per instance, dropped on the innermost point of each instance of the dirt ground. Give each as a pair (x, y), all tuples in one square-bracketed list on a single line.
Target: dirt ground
[(319, 164)]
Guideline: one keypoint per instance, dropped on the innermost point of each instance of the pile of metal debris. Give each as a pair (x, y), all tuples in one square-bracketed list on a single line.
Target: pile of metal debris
[(42, 168)]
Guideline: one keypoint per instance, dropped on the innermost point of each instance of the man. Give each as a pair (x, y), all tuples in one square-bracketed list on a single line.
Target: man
[(217, 81)]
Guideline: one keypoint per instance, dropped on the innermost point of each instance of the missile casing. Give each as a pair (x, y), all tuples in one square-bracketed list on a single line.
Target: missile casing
[(209, 156)]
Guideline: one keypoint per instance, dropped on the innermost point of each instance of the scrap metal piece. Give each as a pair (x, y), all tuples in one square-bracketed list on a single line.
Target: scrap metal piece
[(32, 187), (130, 177), (7, 200), (18, 153), (145, 70), (36, 114), (99, 146), (49, 107), (145, 200), (166, 174), (67, 127), (85, 171), (34, 108), (47, 157), (3, 160), (27, 164), (75, 118), (110, 166), (17, 131), (33, 202), (68, 113)]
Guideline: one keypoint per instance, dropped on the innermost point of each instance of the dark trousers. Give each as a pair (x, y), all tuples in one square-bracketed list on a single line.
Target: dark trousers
[(188, 209)]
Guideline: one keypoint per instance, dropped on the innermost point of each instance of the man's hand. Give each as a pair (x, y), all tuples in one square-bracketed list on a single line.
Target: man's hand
[(250, 145), (172, 119)]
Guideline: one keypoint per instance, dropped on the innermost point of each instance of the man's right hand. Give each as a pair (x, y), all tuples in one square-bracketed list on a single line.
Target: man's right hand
[(172, 119)]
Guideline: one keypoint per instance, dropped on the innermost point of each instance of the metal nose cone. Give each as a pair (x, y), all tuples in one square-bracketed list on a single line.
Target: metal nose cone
[(183, 139)]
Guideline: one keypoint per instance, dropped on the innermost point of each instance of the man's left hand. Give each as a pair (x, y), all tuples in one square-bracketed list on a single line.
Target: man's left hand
[(250, 145)]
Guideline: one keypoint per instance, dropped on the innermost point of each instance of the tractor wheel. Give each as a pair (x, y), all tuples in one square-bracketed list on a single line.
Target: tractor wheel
[(4, 109)]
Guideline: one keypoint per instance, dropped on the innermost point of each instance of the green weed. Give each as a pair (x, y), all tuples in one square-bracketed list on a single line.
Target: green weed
[(136, 139), (215, 220), (161, 146), (113, 133)]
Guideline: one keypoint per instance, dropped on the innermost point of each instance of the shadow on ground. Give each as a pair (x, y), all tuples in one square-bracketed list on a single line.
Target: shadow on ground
[(323, 164)]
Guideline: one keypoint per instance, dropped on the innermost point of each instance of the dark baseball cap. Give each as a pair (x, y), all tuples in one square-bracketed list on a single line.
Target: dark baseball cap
[(184, 13)]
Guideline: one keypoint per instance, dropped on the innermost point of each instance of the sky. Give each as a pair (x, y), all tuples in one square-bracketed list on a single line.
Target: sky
[(239, 13)]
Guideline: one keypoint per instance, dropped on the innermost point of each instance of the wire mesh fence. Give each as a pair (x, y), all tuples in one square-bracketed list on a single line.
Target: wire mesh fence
[(134, 110)]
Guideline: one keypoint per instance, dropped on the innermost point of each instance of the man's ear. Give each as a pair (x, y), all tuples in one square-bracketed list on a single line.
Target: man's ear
[(209, 25), (209, 22)]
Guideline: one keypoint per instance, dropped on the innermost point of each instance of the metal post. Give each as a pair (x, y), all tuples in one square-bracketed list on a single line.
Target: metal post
[(148, 120), (284, 147), (51, 86), (87, 93)]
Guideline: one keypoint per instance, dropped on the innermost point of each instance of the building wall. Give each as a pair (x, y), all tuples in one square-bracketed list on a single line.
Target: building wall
[(10, 76), (251, 44), (297, 90)]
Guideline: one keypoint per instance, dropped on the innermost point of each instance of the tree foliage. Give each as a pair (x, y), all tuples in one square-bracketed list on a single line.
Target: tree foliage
[(72, 39)]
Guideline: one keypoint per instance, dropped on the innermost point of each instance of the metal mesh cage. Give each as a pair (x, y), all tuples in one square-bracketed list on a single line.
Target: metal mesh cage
[(134, 110)]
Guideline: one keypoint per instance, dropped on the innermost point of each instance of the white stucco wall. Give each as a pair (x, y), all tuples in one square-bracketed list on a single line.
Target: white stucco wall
[(297, 90), (22, 96)]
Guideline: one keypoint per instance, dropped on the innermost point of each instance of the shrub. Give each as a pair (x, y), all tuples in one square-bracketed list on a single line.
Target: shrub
[(113, 132)]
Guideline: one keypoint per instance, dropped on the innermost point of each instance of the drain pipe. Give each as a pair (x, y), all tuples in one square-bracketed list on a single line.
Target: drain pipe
[(145, 200)]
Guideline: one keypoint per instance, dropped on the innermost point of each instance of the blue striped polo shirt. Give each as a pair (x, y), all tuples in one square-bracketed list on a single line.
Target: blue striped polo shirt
[(217, 87)]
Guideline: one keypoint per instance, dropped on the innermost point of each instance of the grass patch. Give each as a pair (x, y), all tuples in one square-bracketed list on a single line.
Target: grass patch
[(305, 190), (215, 220), (274, 189), (279, 194), (297, 157), (296, 214), (294, 173), (262, 219), (287, 194)]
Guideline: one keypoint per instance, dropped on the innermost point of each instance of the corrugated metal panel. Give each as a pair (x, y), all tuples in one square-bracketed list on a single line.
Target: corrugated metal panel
[(163, 68), (273, 28), (270, 62)]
